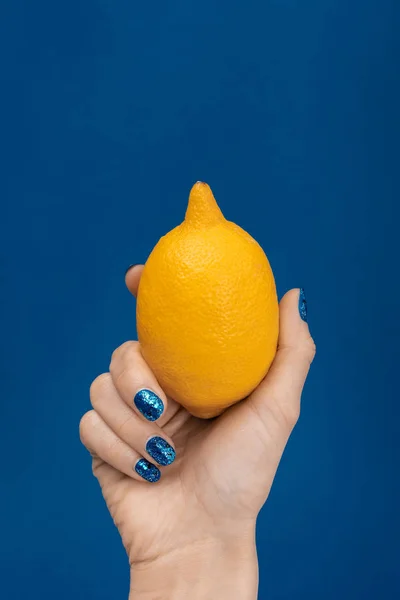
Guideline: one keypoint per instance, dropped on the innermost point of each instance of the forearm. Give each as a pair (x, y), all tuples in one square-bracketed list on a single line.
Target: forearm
[(222, 570)]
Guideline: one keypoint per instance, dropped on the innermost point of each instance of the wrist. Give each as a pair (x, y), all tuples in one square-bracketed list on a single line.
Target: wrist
[(211, 568)]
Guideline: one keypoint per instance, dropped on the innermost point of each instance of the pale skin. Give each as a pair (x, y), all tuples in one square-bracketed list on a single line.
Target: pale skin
[(192, 533)]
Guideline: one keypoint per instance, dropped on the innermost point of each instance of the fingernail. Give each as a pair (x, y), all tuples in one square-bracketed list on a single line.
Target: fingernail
[(131, 267), (147, 470), (149, 404), (159, 449), (303, 305)]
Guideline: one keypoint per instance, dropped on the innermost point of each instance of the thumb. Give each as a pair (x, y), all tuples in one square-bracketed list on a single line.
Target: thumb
[(261, 425), (280, 392)]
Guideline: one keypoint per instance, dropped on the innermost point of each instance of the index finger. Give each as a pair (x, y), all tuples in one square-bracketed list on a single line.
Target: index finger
[(280, 391), (132, 278)]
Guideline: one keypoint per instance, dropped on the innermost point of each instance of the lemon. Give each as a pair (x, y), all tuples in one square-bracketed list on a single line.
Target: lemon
[(207, 310)]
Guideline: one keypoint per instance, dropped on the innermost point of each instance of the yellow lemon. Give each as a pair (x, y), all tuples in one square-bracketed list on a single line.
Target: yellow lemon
[(207, 310)]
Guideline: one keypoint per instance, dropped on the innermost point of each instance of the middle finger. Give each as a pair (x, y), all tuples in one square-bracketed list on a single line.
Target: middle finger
[(137, 385)]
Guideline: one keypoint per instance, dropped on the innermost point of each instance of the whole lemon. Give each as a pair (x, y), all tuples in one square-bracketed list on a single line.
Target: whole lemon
[(207, 310)]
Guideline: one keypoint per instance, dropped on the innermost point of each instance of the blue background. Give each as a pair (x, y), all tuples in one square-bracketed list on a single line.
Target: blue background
[(110, 111)]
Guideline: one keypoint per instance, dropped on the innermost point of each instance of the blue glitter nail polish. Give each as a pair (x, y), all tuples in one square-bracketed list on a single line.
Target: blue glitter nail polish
[(147, 470), (159, 449), (303, 305), (149, 404)]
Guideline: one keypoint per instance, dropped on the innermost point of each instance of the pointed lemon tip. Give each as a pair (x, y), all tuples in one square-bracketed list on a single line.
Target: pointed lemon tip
[(202, 209), (200, 189)]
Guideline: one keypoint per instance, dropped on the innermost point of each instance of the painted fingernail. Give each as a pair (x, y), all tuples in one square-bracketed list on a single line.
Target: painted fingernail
[(159, 449), (147, 470), (303, 305), (149, 404), (131, 267)]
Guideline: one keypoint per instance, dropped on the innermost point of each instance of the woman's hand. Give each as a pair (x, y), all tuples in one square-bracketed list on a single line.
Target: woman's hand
[(189, 529)]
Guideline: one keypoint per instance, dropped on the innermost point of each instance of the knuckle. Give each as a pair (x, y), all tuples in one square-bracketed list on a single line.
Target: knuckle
[(124, 430), (121, 376), (98, 386), (126, 347), (127, 374), (309, 349), (131, 350), (86, 425)]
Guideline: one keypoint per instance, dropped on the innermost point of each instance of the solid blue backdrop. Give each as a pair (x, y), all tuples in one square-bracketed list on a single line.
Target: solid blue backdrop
[(290, 111)]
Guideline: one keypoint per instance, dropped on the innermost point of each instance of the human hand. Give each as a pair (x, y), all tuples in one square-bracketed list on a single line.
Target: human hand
[(198, 520)]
